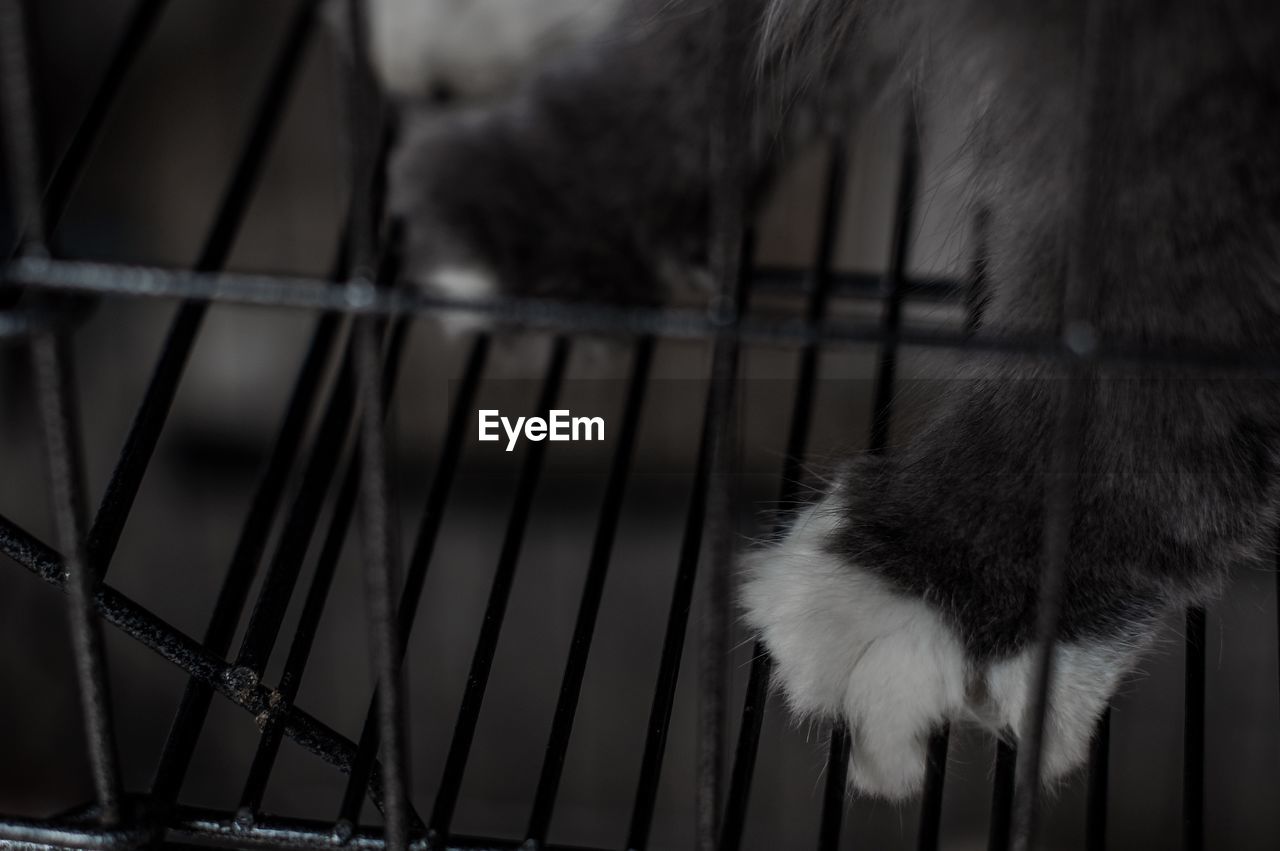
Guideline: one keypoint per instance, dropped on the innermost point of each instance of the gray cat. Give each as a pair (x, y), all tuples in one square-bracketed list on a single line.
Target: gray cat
[(906, 596)]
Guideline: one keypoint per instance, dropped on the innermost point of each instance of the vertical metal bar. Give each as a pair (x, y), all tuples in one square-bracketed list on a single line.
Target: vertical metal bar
[(1002, 796), (894, 280), (729, 256), (672, 643), (66, 478), (756, 699), (382, 584), (19, 137), (55, 389), (495, 610), (1193, 734), (833, 791), (126, 478), (934, 780), (592, 593), (882, 413), (936, 766), (378, 528), (416, 577), (1102, 50), (1099, 784), (316, 598)]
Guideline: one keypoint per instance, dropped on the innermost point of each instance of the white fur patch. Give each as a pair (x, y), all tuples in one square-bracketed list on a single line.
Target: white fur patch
[(1084, 678), (470, 283), (846, 645), (478, 48)]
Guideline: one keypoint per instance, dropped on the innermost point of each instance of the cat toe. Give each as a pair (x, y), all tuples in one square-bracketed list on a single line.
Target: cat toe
[(1085, 676), (847, 646)]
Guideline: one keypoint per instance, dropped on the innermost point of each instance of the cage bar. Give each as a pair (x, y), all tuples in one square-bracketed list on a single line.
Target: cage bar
[(495, 609), (575, 669), (1193, 732), (428, 529), (756, 699), (135, 456)]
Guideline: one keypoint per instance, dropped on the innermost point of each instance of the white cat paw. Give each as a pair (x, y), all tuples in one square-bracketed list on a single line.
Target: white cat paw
[(848, 646)]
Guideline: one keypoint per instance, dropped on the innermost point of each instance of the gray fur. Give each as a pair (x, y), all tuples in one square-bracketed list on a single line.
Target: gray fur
[(593, 182)]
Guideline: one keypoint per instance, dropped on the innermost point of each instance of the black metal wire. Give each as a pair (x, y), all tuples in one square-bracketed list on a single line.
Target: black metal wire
[(1101, 51), (586, 319), (1193, 733), (144, 432), (664, 692), (189, 720), (935, 778), (317, 595), (756, 699), (834, 789), (173, 645), (833, 799), (60, 421), (575, 668), (70, 167), (379, 536), (18, 126), (495, 609), (998, 834), (415, 579), (1099, 785)]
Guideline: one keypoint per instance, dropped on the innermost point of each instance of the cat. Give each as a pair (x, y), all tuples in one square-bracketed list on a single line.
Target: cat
[(906, 596)]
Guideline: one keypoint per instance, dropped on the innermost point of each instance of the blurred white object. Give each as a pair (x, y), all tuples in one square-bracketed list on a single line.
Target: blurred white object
[(473, 49)]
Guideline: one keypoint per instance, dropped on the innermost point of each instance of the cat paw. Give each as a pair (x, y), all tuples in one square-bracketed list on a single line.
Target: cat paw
[(847, 646)]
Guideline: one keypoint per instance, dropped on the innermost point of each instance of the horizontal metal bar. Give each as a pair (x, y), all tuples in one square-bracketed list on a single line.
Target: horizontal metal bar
[(586, 319), (212, 827)]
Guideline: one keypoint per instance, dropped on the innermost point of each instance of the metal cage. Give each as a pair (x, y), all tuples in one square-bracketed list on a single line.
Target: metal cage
[(43, 297)]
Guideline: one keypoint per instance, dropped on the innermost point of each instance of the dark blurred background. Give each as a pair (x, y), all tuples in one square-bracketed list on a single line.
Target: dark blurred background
[(148, 197)]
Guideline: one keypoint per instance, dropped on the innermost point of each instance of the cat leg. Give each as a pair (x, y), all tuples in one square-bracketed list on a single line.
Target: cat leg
[(906, 599)]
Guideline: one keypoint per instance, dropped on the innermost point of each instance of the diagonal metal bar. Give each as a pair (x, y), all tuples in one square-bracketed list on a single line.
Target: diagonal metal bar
[(504, 576), (314, 602), (148, 422), (175, 758), (415, 579), (180, 649), (70, 167), (544, 798)]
